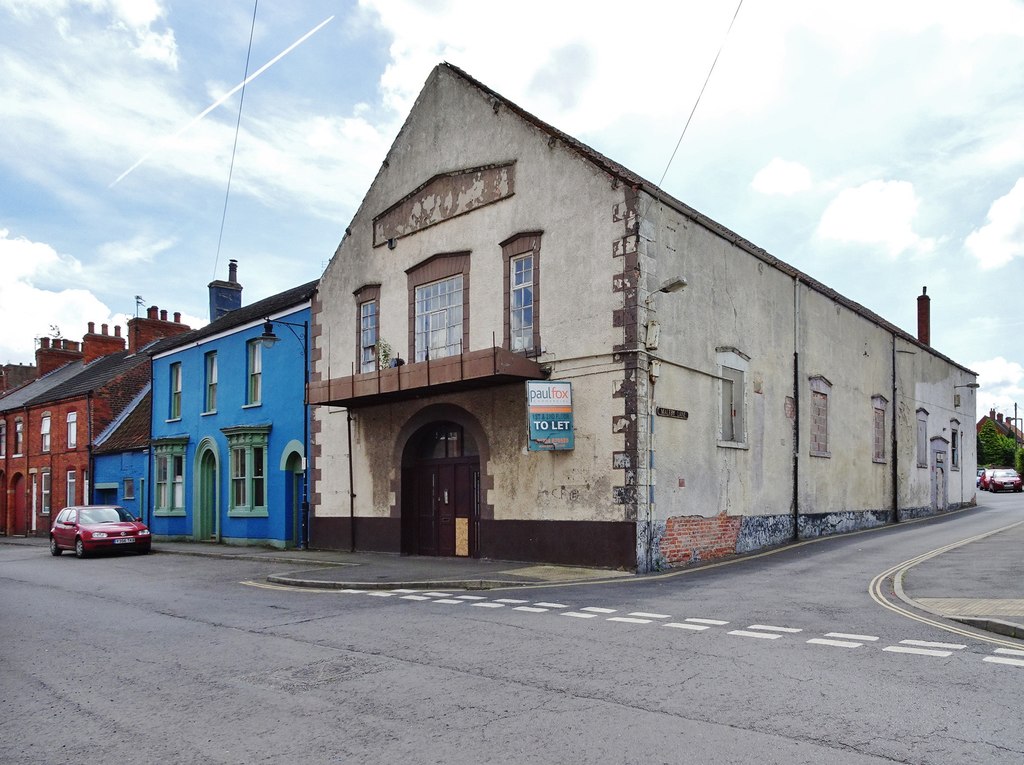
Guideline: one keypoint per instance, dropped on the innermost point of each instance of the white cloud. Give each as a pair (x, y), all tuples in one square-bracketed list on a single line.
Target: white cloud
[(782, 177), (877, 213), (1001, 239), (1002, 385), (38, 309)]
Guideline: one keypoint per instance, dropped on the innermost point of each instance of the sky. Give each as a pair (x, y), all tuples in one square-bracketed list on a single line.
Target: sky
[(876, 146)]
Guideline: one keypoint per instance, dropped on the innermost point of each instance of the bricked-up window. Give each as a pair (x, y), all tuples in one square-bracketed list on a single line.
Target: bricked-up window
[(439, 306), (521, 257), (72, 488), (254, 374), (248, 465), (210, 397), (3, 439), (821, 389), (922, 438), (72, 422), (19, 437), (128, 492), (44, 492), (44, 433), (878, 408), (954, 443), (174, 409), (733, 366), (367, 326)]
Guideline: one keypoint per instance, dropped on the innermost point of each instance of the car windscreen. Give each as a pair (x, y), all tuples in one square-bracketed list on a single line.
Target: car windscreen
[(105, 515)]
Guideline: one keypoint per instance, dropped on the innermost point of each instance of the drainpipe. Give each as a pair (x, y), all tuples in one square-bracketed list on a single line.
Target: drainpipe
[(351, 487), (894, 442), (87, 489), (796, 409)]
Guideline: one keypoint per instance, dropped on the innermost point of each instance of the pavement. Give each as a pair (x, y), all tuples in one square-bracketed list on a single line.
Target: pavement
[(979, 582)]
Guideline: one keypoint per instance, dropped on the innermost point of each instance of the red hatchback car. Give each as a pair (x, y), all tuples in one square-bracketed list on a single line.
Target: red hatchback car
[(1005, 480), (95, 528)]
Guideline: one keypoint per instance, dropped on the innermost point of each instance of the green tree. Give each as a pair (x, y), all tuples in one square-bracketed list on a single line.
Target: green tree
[(994, 448)]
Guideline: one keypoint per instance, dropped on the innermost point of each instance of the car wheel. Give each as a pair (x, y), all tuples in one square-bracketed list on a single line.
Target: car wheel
[(79, 548), (54, 548)]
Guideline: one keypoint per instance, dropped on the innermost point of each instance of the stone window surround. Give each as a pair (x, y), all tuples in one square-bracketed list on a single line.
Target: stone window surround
[(441, 266), (822, 386), (879, 403), (365, 294), (523, 243)]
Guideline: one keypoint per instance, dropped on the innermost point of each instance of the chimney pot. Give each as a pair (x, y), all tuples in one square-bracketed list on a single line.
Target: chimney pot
[(151, 312), (92, 327), (999, 417), (104, 328), (232, 270), (117, 330), (163, 315), (44, 342), (177, 317)]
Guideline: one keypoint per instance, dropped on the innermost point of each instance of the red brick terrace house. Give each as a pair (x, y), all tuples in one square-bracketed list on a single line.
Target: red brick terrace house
[(48, 426), (1006, 426)]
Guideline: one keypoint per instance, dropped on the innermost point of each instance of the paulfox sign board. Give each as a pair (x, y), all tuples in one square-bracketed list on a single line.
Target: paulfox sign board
[(549, 408)]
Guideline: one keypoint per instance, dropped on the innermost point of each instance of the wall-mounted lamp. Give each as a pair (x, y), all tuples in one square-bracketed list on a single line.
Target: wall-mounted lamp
[(673, 284), (956, 396), (268, 338)]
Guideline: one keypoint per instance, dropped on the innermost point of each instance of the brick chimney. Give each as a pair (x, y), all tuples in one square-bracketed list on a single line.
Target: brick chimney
[(54, 354), (225, 296), (999, 418), (15, 375), (143, 330), (924, 317), (98, 344)]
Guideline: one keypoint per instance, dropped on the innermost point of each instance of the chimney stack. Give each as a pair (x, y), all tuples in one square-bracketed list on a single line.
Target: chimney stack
[(924, 317), (144, 330), (225, 296), (96, 345), (55, 354)]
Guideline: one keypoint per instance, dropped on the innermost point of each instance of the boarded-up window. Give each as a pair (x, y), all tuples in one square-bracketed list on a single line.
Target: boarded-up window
[(821, 389), (922, 438)]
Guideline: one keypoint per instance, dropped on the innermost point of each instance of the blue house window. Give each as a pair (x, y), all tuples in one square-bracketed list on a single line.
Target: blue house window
[(210, 398), (174, 410), (254, 370), (248, 466)]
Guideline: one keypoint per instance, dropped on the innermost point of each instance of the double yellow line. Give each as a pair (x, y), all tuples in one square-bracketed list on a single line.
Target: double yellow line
[(897, 572)]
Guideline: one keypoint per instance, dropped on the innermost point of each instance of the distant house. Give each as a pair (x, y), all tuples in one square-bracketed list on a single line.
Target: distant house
[(49, 426), (1006, 426), (562, 398), (228, 423)]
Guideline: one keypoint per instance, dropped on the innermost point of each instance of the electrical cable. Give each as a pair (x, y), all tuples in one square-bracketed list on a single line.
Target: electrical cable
[(234, 146)]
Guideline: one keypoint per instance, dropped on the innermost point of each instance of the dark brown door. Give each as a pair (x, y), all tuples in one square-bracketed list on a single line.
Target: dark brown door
[(446, 507), (19, 523), (425, 480)]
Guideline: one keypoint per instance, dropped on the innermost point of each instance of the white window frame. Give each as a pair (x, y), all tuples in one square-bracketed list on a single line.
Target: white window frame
[(71, 488), (210, 389), (369, 330), (44, 433), (254, 373), (72, 426), (439, 316), (174, 404), (956, 436), (521, 301), (3, 439), (45, 486)]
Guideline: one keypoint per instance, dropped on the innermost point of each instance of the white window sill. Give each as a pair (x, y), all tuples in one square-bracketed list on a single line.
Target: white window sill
[(733, 445), (257, 513), (173, 419), (252, 406), (207, 414)]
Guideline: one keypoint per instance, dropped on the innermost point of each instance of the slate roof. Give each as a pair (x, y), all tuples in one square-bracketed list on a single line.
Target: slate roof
[(39, 387), (131, 428), (635, 181), (245, 315)]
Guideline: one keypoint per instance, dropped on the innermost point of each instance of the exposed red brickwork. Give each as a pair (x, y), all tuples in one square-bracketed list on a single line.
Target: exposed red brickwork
[(54, 354), (694, 538), (144, 330), (96, 344)]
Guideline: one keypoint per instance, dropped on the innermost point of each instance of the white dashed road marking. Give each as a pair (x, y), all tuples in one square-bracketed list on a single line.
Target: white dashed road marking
[(531, 609), (489, 605), (438, 594), (846, 636), (578, 615), (597, 610), (712, 622), (471, 597), (694, 627), (836, 643), (628, 620), (450, 601), (643, 615), (1010, 652), (918, 651), (381, 594), (928, 644), (415, 597), (551, 605), (510, 600), (747, 633), (769, 628), (1004, 660)]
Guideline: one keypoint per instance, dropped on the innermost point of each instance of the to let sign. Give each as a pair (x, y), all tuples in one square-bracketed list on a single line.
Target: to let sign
[(549, 407)]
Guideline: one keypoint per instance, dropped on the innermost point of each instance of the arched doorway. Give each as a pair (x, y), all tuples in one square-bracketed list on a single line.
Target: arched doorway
[(19, 520), (206, 507), (293, 500), (441, 492)]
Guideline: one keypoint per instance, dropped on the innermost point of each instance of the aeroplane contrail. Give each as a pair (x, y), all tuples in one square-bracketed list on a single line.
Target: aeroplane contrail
[(225, 97)]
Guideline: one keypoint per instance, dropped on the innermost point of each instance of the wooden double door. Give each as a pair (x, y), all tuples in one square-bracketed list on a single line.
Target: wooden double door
[(445, 507)]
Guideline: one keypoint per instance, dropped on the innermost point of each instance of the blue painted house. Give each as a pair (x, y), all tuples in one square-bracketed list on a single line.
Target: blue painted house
[(120, 461), (230, 423)]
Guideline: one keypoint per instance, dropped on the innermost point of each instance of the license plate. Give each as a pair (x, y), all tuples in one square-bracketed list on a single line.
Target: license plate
[(124, 540)]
